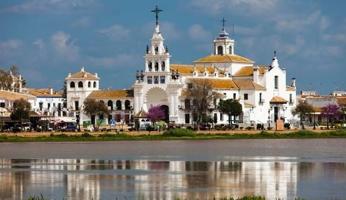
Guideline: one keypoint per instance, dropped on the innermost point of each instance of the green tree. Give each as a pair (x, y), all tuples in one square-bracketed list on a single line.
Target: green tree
[(21, 110), (200, 91), (93, 108), (303, 109), (230, 107)]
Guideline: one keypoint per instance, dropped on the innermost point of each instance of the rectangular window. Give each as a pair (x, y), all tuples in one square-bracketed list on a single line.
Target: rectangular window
[(150, 79), (2, 104), (221, 116), (48, 106), (291, 99), (234, 96), (260, 97), (76, 105), (162, 79), (156, 80), (276, 82), (187, 118), (189, 85), (246, 96)]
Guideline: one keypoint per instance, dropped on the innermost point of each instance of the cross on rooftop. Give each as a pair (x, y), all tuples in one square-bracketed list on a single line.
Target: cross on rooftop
[(157, 11), (223, 23)]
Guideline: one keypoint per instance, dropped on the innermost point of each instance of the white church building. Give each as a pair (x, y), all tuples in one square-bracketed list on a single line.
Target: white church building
[(262, 90)]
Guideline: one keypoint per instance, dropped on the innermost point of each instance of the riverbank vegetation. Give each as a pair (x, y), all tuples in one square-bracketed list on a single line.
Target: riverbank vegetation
[(173, 134)]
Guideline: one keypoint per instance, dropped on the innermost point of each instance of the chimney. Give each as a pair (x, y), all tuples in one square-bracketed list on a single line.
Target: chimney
[(256, 74), (293, 84), (51, 91), (96, 75), (69, 75)]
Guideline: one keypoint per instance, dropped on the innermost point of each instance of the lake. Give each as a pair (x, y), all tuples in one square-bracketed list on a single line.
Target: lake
[(274, 168)]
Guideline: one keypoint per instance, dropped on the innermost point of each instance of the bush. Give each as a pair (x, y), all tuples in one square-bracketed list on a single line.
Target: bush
[(179, 132), (86, 135)]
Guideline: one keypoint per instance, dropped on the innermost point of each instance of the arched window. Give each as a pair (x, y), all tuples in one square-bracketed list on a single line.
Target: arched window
[(276, 82), (89, 84), (118, 104), (150, 66), (94, 84), (72, 85), (80, 84), (110, 104), (219, 50), (230, 49), (163, 66), (156, 66), (127, 105), (156, 50)]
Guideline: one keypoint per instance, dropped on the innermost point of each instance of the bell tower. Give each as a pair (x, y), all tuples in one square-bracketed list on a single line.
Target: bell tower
[(223, 44), (157, 58)]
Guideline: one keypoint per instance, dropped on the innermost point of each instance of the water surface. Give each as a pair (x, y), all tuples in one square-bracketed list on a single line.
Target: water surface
[(310, 168)]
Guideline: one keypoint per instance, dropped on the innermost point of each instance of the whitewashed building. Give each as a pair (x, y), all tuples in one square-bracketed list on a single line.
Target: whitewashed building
[(262, 90)]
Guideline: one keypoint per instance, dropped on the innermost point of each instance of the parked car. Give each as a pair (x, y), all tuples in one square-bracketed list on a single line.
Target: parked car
[(70, 127)]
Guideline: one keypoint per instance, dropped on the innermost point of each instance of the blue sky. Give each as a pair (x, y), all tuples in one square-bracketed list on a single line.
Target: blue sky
[(47, 39)]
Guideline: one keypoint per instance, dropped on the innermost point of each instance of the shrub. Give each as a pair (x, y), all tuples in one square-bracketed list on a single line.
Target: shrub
[(179, 132), (61, 135), (86, 135)]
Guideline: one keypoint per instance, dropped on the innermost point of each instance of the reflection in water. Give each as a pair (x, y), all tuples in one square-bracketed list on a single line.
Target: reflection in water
[(143, 179)]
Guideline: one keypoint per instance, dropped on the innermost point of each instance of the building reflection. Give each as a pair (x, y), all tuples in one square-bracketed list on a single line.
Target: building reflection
[(142, 179)]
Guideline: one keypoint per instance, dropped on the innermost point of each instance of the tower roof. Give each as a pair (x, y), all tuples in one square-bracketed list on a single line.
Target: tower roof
[(82, 74), (227, 58)]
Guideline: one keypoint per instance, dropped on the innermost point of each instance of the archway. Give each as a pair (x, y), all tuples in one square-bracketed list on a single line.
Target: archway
[(165, 109), (158, 97)]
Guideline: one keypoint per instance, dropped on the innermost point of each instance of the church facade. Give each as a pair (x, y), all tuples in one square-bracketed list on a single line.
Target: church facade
[(262, 90)]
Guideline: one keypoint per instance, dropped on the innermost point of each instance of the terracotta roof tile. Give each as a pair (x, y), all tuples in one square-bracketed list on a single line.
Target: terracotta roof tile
[(189, 69), (341, 101), (219, 84), (227, 58), (83, 75), (43, 92), (248, 71), (111, 94), (12, 96), (247, 84), (278, 99)]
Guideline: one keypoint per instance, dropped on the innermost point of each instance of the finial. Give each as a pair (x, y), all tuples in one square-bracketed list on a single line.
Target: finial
[(157, 11), (223, 23), (166, 49), (82, 69), (147, 49), (274, 53)]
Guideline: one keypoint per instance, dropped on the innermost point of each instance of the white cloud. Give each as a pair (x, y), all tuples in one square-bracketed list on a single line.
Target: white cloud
[(218, 6), (120, 60), (10, 48), (39, 43), (297, 22), (116, 32), (10, 44), (197, 32), (82, 22), (334, 50), (64, 46), (49, 5), (170, 30), (338, 37)]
